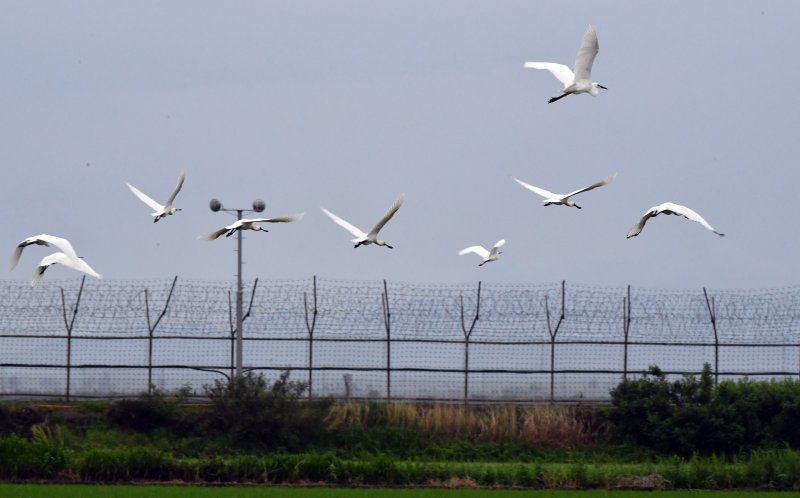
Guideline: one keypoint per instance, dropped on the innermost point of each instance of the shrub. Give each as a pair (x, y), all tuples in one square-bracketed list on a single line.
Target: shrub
[(764, 413), (254, 414), (692, 415), (19, 420), (151, 411), (669, 417), (16, 461)]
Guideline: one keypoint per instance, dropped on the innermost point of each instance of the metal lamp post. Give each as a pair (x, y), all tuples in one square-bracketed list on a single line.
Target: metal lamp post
[(258, 206)]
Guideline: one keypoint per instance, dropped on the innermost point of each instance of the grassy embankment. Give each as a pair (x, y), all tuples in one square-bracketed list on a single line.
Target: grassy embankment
[(656, 435)]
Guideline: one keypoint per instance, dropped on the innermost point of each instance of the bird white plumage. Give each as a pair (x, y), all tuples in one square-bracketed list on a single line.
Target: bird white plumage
[(61, 258), (42, 240), (159, 210), (669, 208), (250, 224), (370, 237), (564, 199), (487, 256), (581, 80)]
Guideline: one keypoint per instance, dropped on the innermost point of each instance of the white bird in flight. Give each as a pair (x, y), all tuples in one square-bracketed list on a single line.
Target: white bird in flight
[(61, 258), (42, 240), (669, 208), (245, 224), (564, 199), (581, 80), (486, 255), (362, 238), (166, 209)]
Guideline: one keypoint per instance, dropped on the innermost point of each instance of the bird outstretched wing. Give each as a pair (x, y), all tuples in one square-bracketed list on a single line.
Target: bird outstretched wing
[(586, 55), (688, 213), (496, 248), (214, 235), (560, 71), (145, 198), (174, 193), (479, 250), (387, 216), (279, 219), (344, 224), (602, 182), (540, 191), (639, 226)]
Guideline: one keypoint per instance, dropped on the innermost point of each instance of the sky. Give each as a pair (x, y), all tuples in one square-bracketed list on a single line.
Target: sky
[(347, 104)]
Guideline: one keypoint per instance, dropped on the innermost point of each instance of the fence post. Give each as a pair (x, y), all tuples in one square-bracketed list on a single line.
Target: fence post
[(712, 312), (233, 336), (149, 343), (69, 324), (626, 328), (387, 322), (310, 327), (151, 328), (553, 332), (69, 341), (233, 327), (467, 333), (247, 315)]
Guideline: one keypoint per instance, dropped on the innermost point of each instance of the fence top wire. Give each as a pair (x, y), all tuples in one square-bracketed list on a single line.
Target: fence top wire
[(355, 310)]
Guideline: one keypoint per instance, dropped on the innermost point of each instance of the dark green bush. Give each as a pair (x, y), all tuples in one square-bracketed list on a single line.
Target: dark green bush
[(645, 411), (19, 420), (16, 458), (765, 413), (692, 415), (151, 411), (254, 414)]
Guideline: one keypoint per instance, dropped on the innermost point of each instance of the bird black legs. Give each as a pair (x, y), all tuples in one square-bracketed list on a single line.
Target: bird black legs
[(364, 242), (557, 98)]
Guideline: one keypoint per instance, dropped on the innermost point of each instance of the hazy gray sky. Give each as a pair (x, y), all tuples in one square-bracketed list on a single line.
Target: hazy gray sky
[(347, 104)]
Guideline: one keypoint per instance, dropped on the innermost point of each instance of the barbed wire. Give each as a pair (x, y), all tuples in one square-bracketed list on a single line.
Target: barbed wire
[(558, 332), (354, 309)]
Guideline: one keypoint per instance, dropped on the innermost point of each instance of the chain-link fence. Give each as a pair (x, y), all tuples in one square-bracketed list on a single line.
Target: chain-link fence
[(383, 340)]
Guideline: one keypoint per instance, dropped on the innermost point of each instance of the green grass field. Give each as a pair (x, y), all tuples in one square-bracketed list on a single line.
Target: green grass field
[(90, 491)]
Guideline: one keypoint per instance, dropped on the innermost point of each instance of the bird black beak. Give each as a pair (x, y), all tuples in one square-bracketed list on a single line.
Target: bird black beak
[(601, 86)]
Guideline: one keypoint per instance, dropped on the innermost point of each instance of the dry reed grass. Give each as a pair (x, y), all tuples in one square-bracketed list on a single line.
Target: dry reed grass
[(557, 426)]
